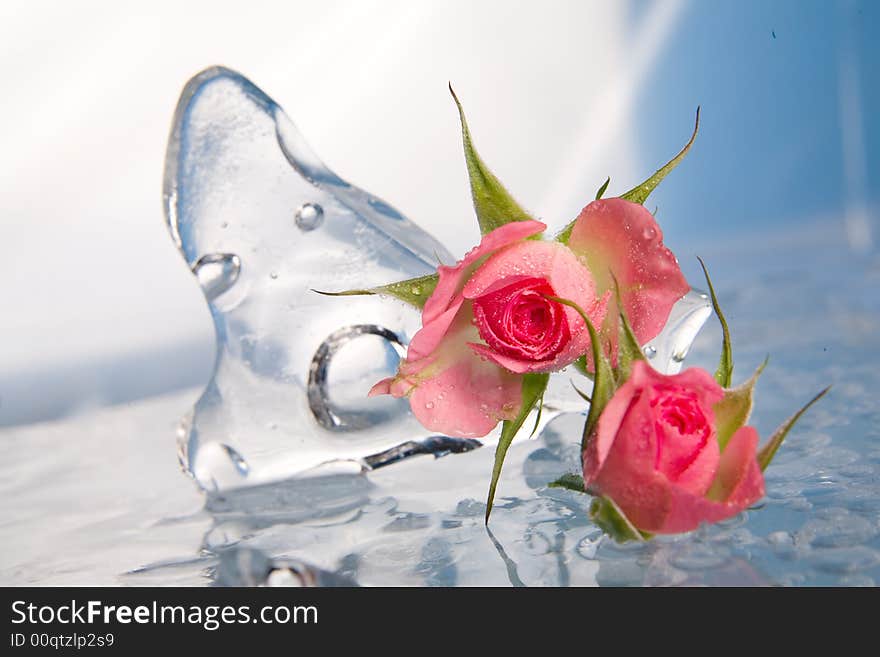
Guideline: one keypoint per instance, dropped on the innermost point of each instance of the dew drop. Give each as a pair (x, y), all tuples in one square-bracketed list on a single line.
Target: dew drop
[(429, 405), (309, 216), (649, 232), (416, 290), (679, 356), (273, 275), (649, 350)]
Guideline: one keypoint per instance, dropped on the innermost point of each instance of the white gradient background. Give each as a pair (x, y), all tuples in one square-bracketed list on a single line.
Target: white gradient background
[(555, 92)]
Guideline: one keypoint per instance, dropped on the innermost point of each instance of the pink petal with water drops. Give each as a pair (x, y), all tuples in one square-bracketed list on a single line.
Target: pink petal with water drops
[(452, 279), (467, 399), (568, 277), (739, 484), (618, 236)]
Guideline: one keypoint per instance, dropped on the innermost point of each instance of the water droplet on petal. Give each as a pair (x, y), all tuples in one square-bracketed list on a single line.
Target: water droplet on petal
[(649, 350), (429, 405)]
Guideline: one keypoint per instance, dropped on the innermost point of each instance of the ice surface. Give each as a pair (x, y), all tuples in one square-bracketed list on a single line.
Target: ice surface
[(262, 223), (99, 499)]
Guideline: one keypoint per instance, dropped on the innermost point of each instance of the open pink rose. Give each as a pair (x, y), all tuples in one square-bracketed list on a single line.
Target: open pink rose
[(656, 454), (620, 237), (489, 321)]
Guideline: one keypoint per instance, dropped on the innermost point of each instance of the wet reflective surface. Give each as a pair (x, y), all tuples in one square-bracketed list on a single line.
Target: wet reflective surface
[(99, 499)]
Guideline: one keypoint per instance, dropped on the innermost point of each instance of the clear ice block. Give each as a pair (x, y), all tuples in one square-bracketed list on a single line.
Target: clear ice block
[(262, 222)]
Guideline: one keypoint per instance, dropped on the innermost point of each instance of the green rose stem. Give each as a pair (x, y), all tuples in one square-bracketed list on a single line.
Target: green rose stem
[(603, 377)]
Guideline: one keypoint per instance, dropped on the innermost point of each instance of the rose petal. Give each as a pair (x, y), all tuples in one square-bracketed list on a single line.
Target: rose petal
[(452, 390), (640, 420), (618, 236), (383, 387), (739, 480), (568, 277), (740, 484), (621, 460), (451, 279), (467, 399), (428, 338)]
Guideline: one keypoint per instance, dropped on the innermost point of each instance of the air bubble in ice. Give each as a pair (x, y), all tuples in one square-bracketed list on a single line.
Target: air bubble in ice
[(217, 272), (309, 216)]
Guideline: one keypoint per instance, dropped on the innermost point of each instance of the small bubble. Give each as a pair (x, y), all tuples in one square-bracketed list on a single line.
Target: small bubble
[(589, 544), (273, 275), (309, 216), (679, 356), (225, 224)]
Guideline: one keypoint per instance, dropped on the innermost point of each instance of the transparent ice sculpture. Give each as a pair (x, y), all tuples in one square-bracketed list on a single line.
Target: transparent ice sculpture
[(261, 221)]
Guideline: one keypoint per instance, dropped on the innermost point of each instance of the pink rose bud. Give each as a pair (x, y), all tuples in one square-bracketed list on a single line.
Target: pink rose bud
[(488, 322), (622, 238), (656, 454)]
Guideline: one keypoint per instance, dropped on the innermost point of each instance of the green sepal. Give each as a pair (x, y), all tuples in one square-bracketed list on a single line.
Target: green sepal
[(414, 291), (734, 409), (569, 481), (493, 204), (628, 349), (603, 377), (608, 516), (768, 451), (533, 386), (565, 234), (724, 373), (640, 193), (582, 394), (540, 404), (580, 364)]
